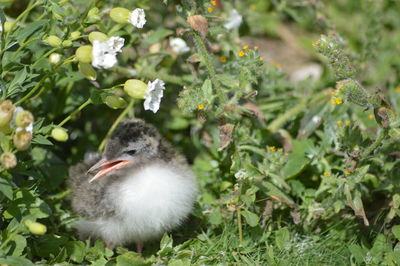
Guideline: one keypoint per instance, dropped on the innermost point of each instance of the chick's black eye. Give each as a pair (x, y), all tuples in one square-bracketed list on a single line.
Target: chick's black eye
[(131, 152)]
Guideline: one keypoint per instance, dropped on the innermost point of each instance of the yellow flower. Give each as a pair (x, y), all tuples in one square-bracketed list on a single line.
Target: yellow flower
[(275, 64), (397, 89), (316, 43), (214, 2), (347, 172), (371, 116), (327, 174), (223, 59), (261, 58), (338, 101), (255, 47), (210, 9), (339, 123), (357, 169), (253, 7), (272, 148), (200, 107), (280, 150), (246, 47), (241, 53), (347, 122)]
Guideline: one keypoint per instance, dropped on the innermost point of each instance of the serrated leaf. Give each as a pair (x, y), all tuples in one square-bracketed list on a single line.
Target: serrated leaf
[(252, 219)]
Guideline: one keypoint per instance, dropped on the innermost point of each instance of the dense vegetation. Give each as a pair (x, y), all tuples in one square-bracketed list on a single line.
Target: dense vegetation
[(292, 169)]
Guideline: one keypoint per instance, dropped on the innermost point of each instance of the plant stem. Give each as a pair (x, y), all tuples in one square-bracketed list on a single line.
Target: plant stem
[(150, 74), (210, 68), (294, 111), (239, 221), (80, 108), (114, 126), (378, 141)]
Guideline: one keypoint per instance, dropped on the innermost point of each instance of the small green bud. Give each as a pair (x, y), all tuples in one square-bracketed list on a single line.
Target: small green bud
[(59, 134), (8, 160), (6, 112), (120, 15), (23, 118), (93, 15), (135, 88), (55, 58), (115, 102), (54, 41), (36, 228), (22, 140), (75, 35), (97, 36), (67, 43), (87, 70), (84, 54), (8, 25)]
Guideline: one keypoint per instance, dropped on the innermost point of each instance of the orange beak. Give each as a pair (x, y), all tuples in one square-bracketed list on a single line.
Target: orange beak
[(107, 167)]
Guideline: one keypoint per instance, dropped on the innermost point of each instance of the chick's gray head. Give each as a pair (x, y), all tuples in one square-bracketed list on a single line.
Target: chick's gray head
[(133, 143)]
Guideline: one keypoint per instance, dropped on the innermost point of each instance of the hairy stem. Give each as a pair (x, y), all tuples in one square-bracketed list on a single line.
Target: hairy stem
[(239, 221), (378, 141), (210, 68)]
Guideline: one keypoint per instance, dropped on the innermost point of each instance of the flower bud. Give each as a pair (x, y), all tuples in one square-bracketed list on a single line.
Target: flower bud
[(87, 70), (84, 54), (93, 15), (22, 140), (135, 88), (97, 36), (353, 92), (8, 160), (120, 15), (6, 112), (23, 118), (75, 35), (8, 25), (53, 41), (55, 58), (59, 134), (199, 24), (67, 43), (115, 102), (36, 228)]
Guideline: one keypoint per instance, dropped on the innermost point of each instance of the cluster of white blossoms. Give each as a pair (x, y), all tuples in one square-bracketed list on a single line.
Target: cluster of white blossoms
[(104, 53), (178, 45), (137, 18), (234, 20), (154, 93)]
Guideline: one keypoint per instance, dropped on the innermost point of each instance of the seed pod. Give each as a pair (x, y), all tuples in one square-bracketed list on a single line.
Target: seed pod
[(135, 88), (93, 15), (75, 35), (115, 102), (55, 58), (87, 70), (8, 25), (8, 160), (6, 112), (353, 92), (67, 43), (36, 228), (59, 134), (84, 54), (22, 140), (120, 15), (199, 24), (23, 118), (97, 36), (54, 41)]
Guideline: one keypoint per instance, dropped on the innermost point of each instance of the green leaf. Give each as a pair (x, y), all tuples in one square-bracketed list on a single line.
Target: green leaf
[(297, 160), (30, 29), (2, 17), (282, 238), (215, 216), (396, 231), (252, 219), (20, 244), (157, 36), (6, 188), (131, 259), (20, 261), (40, 139), (358, 252), (76, 250)]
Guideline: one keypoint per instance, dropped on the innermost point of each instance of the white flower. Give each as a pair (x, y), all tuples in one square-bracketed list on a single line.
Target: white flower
[(234, 20), (178, 45), (154, 93), (104, 53), (137, 18), (241, 174)]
